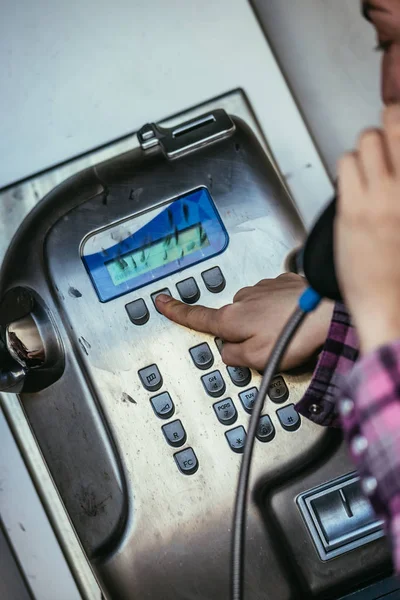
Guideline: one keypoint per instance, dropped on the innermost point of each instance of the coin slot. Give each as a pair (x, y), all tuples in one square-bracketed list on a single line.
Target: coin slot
[(193, 126)]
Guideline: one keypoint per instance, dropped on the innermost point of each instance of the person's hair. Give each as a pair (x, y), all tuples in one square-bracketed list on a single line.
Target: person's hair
[(365, 9)]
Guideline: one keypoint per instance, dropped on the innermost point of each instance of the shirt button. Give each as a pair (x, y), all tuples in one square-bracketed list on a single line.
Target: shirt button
[(369, 485), (315, 409), (358, 445), (346, 407)]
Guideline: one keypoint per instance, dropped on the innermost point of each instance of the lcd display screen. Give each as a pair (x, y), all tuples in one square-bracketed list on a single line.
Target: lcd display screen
[(173, 248), (154, 244)]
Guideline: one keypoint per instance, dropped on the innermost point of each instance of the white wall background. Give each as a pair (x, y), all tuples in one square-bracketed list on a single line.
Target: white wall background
[(78, 74), (326, 51)]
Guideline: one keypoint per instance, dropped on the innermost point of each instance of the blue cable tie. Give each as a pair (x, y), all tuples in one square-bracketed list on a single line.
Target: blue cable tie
[(309, 300)]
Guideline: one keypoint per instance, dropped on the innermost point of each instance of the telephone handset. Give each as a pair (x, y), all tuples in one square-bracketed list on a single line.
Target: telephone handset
[(318, 255)]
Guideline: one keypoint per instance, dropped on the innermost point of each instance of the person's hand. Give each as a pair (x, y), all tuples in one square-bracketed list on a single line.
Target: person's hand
[(251, 324), (367, 233)]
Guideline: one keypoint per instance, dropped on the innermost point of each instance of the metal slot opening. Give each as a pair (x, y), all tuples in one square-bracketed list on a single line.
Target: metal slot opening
[(193, 126)]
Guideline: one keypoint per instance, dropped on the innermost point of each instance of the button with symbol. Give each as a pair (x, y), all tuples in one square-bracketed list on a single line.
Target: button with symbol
[(289, 417), (248, 398), (151, 378), (236, 438), (174, 433), (278, 391), (225, 411), (163, 405), (240, 376), (265, 430), (214, 384), (187, 461), (202, 356)]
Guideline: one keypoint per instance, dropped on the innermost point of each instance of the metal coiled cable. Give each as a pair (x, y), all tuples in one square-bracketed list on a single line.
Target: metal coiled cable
[(307, 302)]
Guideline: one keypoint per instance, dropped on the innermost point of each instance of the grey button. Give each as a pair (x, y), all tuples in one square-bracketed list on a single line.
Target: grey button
[(163, 291), (278, 391), (187, 461), (174, 433), (138, 311), (240, 376), (289, 417), (188, 290), (151, 378), (163, 405), (202, 356), (225, 411), (219, 343), (265, 430), (214, 384), (236, 438), (214, 280), (248, 398)]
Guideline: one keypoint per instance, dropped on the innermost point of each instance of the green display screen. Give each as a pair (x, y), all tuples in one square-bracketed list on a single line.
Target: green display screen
[(169, 249)]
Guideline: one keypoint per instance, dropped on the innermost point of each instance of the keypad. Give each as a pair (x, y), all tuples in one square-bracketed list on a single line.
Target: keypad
[(240, 376), (214, 384), (214, 280), (278, 391), (187, 461), (248, 398), (202, 356), (174, 433), (151, 378), (138, 311), (162, 405), (265, 430), (225, 411), (236, 438), (163, 291), (188, 290), (289, 417)]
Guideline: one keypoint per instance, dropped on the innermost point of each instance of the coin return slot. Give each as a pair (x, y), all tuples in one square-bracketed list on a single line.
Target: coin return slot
[(339, 517), (193, 126)]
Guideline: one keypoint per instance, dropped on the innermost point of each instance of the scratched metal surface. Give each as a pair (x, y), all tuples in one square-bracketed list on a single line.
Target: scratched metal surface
[(137, 515), (17, 202)]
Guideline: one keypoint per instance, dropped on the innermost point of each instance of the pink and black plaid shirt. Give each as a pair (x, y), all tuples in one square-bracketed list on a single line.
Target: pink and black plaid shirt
[(364, 399)]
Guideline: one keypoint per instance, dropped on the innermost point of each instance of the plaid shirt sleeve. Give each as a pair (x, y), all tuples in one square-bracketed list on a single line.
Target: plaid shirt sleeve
[(370, 415), (338, 356)]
